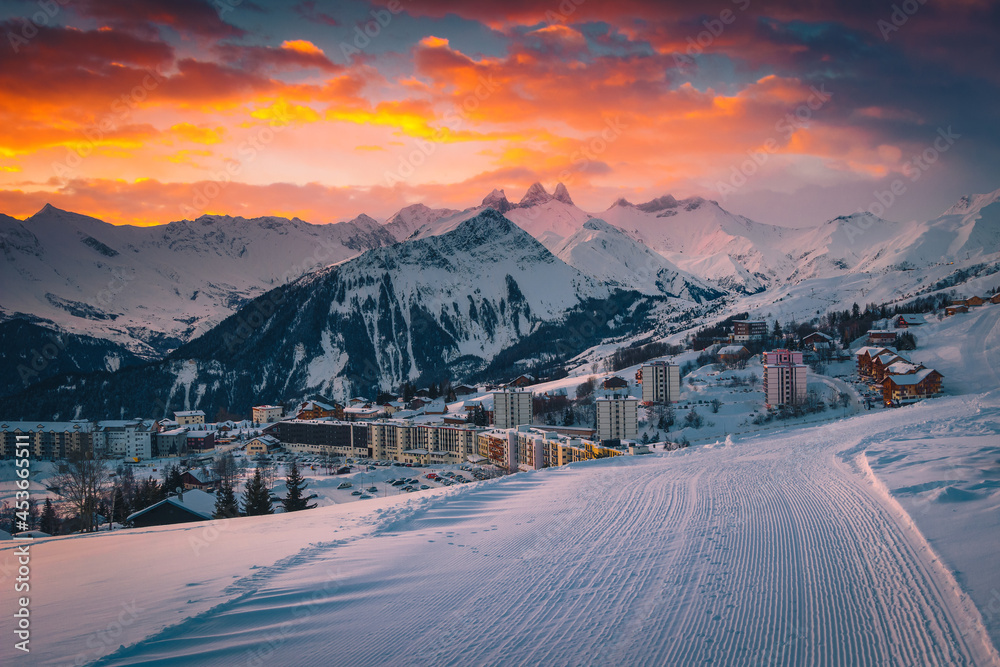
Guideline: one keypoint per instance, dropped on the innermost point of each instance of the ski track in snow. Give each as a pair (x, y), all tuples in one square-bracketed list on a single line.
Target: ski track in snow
[(782, 550)]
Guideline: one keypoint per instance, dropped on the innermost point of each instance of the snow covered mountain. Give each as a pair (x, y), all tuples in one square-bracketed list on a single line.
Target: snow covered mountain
[(152, 288), (702, 238), (483, 299), (549, 218), (607, 254), (406, 221)]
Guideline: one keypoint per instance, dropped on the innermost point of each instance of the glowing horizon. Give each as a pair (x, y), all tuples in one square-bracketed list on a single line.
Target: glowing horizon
[(157, 111)]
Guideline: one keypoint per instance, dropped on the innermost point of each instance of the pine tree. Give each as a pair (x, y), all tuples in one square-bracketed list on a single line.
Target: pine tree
[(172, 479), (296, 485), (225, 502), (257, 497), (49, 523)]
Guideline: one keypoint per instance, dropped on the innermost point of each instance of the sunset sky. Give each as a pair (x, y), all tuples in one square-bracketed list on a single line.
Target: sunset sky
[(145, 112)]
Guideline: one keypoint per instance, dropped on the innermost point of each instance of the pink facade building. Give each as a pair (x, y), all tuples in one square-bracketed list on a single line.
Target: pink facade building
[(784, 378)]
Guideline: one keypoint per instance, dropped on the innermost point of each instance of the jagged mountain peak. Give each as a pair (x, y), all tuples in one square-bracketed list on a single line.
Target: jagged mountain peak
[(497, 200), (972, 202), (621, 202), (659, 204), (562, 194), (536, 194), (50, 213)]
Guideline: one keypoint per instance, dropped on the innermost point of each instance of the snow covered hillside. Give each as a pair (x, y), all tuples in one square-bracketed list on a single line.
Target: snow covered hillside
[(152, 288), (777, 549)]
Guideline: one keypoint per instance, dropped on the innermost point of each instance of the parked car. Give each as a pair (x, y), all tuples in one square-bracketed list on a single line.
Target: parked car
[(345, 485)]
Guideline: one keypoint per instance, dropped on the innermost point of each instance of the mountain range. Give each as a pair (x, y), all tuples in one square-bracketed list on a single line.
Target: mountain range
[(222, 311)]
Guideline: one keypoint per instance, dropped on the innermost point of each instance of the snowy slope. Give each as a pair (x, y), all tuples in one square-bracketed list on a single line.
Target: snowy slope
[(548, 218), (151, 288), (702, 238), (607, 254), (770, 550), (406, 221)]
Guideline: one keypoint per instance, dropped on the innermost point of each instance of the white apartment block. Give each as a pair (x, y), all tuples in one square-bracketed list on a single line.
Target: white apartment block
[(267, 414), (661, 382), (128, 439), (784, 377), (512, 408), (617, 418)]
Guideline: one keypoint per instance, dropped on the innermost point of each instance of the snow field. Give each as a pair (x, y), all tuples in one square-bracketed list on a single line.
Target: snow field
[(774, 549)]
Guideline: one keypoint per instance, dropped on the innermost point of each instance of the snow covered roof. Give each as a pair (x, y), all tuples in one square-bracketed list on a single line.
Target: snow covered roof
[(912, 379), (817, 333), (190, 413), (913, 319), (47, 427), (268, 440), (203, 476), (873, 351), (176, 431), (902, 368), (733, 349), (881, 332), (888, 357), (194, 501)]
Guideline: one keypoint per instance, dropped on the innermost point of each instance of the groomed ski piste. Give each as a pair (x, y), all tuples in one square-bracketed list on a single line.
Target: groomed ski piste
[(867, 540)]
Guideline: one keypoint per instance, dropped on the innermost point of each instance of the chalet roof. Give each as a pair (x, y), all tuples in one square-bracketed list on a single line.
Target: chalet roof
[(885, 332), (196, 502), (912, 379), (902, 368), (873, 351), (190, 413), (268, 440), (913, 319), (818, 333), (315, 405), (734, 349), (888, 358), (202, 476)]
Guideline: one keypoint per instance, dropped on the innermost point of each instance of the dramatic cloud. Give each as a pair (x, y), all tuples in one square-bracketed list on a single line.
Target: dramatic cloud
[(326, 110)]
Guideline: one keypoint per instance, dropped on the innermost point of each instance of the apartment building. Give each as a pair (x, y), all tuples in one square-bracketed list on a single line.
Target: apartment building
[(189, 417), (512, 407), (617, 418), (266, 414), (661, 382), (48, 440), (784, 378)]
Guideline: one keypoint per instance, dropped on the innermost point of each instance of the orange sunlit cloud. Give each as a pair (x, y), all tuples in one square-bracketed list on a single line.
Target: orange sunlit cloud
[(118, 111)]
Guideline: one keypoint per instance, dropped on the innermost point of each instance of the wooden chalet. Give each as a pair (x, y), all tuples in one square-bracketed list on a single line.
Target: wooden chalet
[(614, 382), (955, 309), (189, 506), (901, 389), (866, 356), (907, 321)]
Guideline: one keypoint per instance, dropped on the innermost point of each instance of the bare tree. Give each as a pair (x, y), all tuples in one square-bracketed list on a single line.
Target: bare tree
[(82, 484), (226, 468)]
